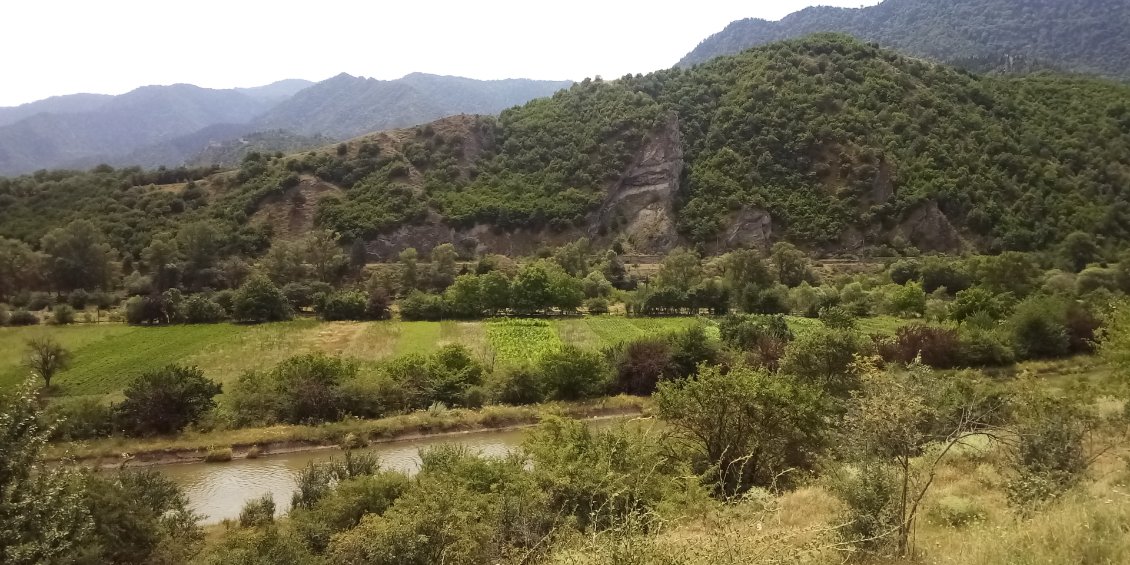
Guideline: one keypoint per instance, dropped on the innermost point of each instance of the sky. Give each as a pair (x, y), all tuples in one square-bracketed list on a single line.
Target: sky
[(53, 47)]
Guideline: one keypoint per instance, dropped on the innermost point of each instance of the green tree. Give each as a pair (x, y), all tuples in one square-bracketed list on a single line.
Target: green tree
[(1010, 271), (681, 270), (78, 256), (200, 244), (324, 256), (19, 267), (745, 427), (572, 373), (465, 296), (259, 300), (790, 265), (495, 292), (42, 515), (531, 290), (444, 259), (166, 400), (409, 274), (825, 357), (1079, 249), (160, 259), (285, 262), (46, 357)]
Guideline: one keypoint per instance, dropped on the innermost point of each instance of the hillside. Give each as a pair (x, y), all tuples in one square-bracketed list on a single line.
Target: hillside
[(836, 145), (1085, 36), (174, 125), (347, 106)]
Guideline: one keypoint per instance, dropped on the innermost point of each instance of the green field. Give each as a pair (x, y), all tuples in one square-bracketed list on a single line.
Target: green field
[(107, 356)]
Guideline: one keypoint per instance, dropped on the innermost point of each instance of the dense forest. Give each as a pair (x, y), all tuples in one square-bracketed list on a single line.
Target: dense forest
[(1086, 36), (845, 145)]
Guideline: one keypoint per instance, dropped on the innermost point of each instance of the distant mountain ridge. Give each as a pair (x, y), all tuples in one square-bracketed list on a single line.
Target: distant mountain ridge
[(173, 125), (1083, 36), (347, 106)]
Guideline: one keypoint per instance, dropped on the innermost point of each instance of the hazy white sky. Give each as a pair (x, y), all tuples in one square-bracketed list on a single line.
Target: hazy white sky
[(51, 47)]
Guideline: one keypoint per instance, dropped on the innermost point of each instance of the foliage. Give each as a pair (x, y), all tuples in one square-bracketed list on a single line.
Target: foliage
[(934, 346), (344, 306), (746, 427), (42, 517), (257, 512), (571, 373), (166, 401), (259, 300), (825, 358), (304, 388)]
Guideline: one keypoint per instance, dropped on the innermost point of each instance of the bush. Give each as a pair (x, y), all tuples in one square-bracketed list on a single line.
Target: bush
[(517, 385), (149, 309), (1096, 278), (1038, 328), (905, 270), (908, 301), (984, 347), (980, 300), (78, 299), (597, 305), (935, 346), (377, 305), (257, 512), (62, 315), (826, 357), (79, 419), (199, 309), (689, 349), (298, 295), (259, 300), (22, 318), (218, 455), (344, 305), (342, 508), (957, 511), (422, 306), (940, 272), (572, 373), (166, 400), (39, 301), (641, 365)]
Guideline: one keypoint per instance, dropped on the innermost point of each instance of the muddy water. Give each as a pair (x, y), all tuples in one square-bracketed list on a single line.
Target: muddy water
[(217, 491)]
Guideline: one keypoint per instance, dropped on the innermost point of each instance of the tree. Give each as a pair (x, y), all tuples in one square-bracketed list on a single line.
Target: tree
[(323, 254), (825, 357), (139, 517), (898, 430), (443, 264), (571, 373), (531, 291), (258, 300), (409, 275), (200, 243), (358, 254), (1010, 271), (166, 400), (46, 357), (285, 262), (1079, 249), (160, 259), (494, 290), (464, 297), (79, 257), (573, 257), (790, 265), (19, 267), (681, 270), (42, 515), (745, 427)]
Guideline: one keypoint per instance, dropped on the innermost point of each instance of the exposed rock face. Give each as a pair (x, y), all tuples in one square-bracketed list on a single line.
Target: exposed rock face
[(640, 205), (747, 228), (928, 229), (292, 213)]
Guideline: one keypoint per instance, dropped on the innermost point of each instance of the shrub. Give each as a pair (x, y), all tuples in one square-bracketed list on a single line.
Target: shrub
[(342, 508), (689, 349), (907, 301), (422, 306), (259, 300), (940, 272), (980, 300), (450, 374), (39, 301), (1038, 328), (935, 346), (1095, 278), (745, 426), (572, 373), (344, 306), (597, 305), (984, 347), (166, 400), (62, 315), (307, 387), (957, 511), (377, 304), (149, 309), (905, 270), (78, 299), (199, 309), (257, 512), (299, 295), (641, 365), (826, 357), (517, 385), (218, 455), (22, 318), (79, 419)]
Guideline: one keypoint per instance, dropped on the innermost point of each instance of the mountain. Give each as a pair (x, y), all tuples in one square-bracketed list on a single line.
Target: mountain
[(120, 125), (1084, 36), (173, 125), (69, 104), (346, 106), (827, 142)]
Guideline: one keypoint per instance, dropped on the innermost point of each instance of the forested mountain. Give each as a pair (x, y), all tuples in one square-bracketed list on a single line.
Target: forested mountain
[(1085, 36), (826, 142), (347, 106), (126, 123)]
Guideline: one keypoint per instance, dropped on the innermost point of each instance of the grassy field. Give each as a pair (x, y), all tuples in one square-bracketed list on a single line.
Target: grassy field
[(108, 356)]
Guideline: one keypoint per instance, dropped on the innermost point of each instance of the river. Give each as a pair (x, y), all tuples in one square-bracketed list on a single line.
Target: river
[(218, 491)]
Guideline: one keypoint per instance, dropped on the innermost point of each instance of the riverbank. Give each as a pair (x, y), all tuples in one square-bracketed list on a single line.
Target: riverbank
[(192, 447)]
